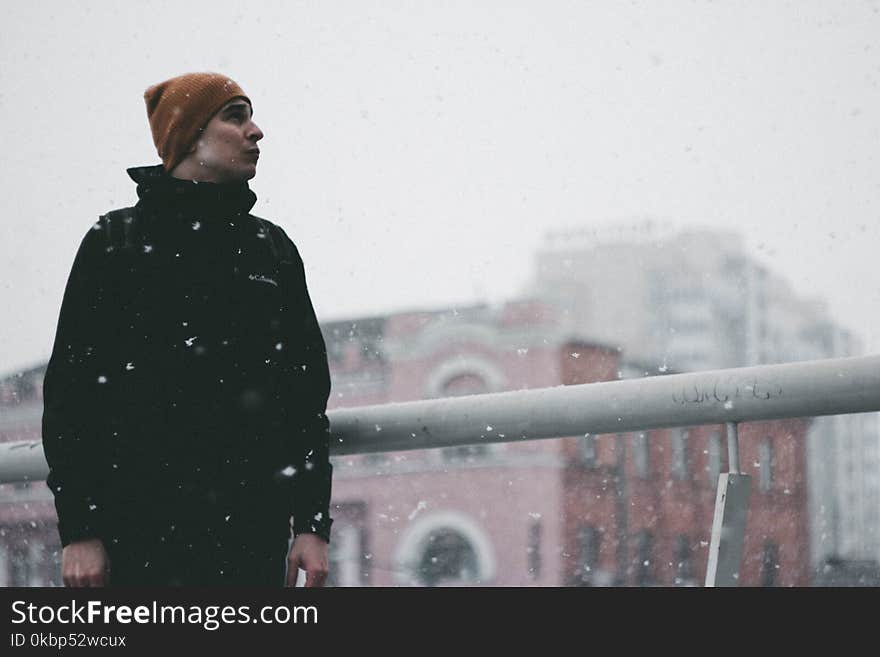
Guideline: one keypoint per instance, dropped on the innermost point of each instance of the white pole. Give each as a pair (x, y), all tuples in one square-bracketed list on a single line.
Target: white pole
[(806, 389)]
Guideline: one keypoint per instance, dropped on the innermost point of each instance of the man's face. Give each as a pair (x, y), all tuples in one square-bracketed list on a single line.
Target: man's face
[(227, 149)]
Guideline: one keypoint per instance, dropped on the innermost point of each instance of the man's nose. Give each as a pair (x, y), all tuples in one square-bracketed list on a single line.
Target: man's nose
[(254, 132)]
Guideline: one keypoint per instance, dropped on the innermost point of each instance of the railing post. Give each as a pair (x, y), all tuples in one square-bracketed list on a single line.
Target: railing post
[(729, 523), (732, 447)]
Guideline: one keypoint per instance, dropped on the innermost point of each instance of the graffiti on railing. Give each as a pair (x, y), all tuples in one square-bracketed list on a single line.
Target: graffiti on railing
[(726, 392), (25, 445)]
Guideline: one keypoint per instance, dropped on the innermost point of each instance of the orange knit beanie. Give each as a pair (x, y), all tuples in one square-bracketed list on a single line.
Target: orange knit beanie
[(179, 108)]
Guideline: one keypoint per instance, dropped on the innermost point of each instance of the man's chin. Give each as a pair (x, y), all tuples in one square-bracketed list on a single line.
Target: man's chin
[(248, 173), (240, 175)]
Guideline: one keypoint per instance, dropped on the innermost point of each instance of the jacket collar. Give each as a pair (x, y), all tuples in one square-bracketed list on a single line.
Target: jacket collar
[(158, 190)]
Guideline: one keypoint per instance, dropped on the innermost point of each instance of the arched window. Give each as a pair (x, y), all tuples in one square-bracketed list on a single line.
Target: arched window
[(466, 383), (448, 558), (444, 548)]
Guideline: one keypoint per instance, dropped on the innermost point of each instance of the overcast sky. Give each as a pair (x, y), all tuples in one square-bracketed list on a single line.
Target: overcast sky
[(417, 152)]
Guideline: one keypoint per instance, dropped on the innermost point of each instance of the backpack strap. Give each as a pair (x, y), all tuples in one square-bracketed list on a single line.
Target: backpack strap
[(279, 247), (120, 228)]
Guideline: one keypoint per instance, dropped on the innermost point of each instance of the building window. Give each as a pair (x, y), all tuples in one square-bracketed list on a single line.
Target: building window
[(448, 558), (462, 385), (644, 559), (588, 451), (534, 549), (765, 458), (770, 564), (641, 455), (4, 567), (377, 460), (465, 384), (683, 565), (588, 555), (465, 453), (443, 547), (713, 460), (679, 454), (346, 551), (21, 568)]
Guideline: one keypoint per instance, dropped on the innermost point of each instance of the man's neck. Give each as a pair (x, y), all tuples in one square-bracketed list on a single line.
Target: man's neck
[(188, 170)]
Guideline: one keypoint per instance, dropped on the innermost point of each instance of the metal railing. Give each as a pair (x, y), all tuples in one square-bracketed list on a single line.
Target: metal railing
[(767, 392)]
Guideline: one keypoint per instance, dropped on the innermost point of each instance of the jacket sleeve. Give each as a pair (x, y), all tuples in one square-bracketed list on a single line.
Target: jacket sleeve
[(74, 388), (313, 472)]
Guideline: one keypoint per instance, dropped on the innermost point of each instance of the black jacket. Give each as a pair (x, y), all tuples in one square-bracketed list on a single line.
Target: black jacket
[(188, 381)]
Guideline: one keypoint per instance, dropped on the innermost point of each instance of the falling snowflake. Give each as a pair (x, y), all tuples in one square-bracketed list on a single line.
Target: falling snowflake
[(421, 505)]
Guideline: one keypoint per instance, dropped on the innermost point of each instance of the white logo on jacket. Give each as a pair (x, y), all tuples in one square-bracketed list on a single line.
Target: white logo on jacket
[(262, 279)]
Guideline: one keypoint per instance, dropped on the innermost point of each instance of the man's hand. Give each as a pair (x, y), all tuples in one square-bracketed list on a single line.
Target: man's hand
[(85, 564), (308, 552)]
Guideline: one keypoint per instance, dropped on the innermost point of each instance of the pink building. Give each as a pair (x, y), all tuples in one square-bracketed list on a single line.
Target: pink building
[(632, 509)]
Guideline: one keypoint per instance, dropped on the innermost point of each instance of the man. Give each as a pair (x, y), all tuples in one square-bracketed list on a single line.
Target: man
[(184, 402)]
